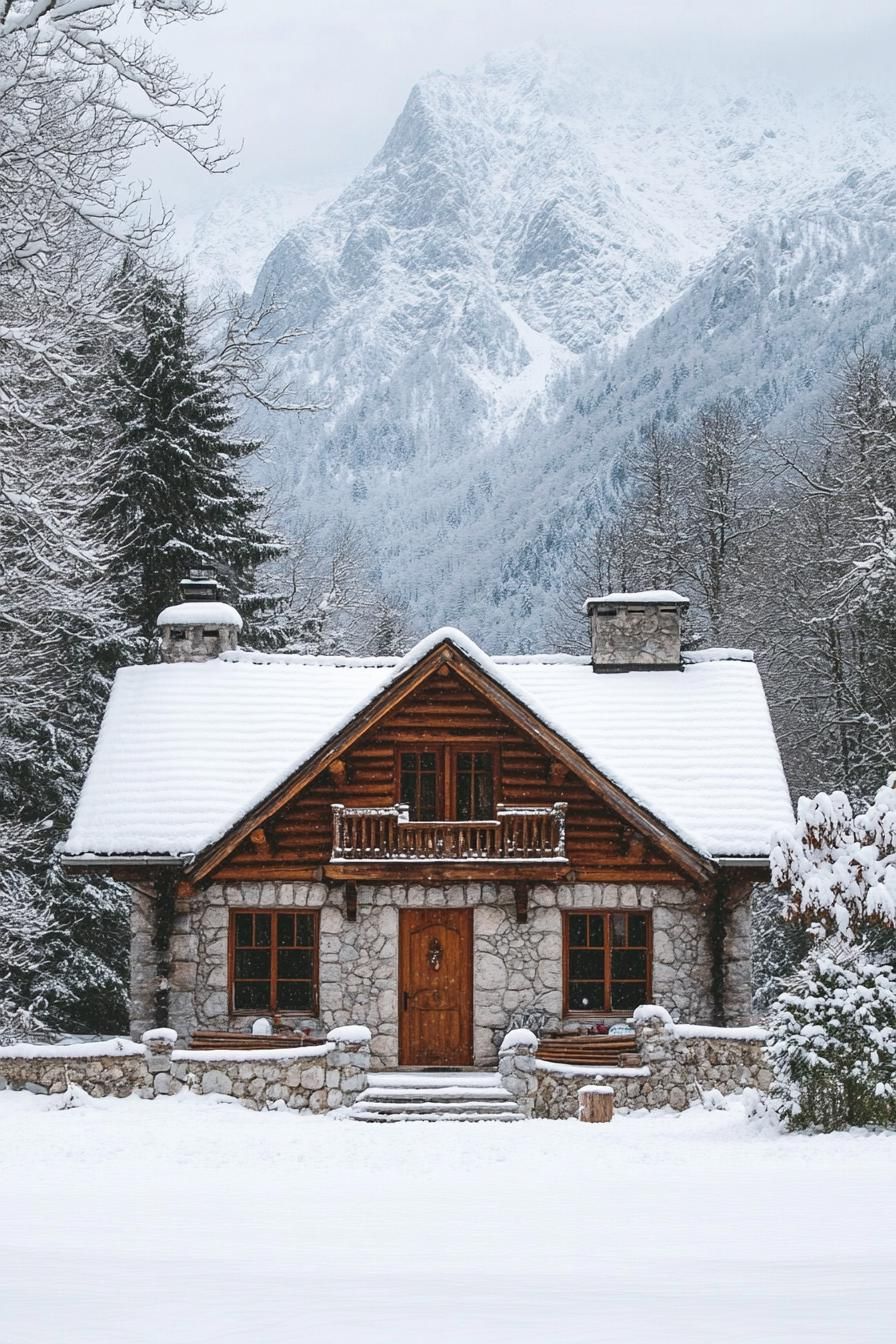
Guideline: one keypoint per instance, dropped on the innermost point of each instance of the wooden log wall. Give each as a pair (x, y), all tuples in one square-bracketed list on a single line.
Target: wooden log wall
[(298, 840)]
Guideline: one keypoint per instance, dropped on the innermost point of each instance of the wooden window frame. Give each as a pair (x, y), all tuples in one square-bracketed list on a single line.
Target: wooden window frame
[(446, 771), (584, 1013), (272, 1011)]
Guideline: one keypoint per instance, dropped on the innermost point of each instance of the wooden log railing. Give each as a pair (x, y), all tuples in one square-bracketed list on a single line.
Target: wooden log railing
[(377, 833)]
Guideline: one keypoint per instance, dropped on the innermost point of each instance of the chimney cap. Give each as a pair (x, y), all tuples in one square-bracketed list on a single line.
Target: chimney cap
[(200, 613), (651, 597)]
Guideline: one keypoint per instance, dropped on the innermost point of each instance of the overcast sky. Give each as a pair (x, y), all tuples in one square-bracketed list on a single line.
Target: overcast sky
[(312, 86)]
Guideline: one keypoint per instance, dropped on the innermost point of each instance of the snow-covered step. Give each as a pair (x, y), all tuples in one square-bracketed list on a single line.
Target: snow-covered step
[(421, 1096)]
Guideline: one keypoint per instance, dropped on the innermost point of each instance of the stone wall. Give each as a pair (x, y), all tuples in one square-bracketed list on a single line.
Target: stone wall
[(677, 1064), (310, 1078), (516, 966), (115, 1068)]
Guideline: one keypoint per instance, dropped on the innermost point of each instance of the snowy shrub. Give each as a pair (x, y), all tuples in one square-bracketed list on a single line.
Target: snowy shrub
[(838, 869), (832, 1041)]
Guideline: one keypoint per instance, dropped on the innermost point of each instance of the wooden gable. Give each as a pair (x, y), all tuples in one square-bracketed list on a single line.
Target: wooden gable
[(449, 700)]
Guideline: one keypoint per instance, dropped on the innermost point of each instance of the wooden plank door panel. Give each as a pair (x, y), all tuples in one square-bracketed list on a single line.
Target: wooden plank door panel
[(435, 995)]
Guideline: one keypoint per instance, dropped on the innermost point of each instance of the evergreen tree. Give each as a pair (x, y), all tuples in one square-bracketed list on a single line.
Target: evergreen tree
[(172, 494)]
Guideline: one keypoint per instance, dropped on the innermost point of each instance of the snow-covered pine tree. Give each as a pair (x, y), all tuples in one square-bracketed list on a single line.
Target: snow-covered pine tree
[(171, 491), (832, 1043)]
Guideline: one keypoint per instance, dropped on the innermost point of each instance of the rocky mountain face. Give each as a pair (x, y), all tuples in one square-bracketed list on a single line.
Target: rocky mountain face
[(539, 257)]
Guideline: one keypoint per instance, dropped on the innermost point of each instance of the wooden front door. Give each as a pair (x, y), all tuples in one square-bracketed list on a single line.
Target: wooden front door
[(435, 990)]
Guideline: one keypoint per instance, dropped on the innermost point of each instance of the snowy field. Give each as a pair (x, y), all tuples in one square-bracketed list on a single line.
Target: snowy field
[(193, 1220)]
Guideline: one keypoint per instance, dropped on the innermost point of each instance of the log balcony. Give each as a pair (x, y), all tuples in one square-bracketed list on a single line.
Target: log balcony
[(519, 839)]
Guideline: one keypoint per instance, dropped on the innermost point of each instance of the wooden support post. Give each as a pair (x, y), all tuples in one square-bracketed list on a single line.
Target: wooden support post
[(596, 1104), (521, 900), (351, 902)]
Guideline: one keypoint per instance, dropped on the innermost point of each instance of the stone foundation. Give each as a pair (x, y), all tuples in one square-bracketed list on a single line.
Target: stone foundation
[(516, 967)]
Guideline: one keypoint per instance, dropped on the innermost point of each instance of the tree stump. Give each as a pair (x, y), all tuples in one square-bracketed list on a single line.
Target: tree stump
[(596, 1104)]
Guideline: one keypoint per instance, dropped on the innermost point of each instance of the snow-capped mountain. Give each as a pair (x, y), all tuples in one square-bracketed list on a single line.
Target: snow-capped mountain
[(225, 246), (538, 254)]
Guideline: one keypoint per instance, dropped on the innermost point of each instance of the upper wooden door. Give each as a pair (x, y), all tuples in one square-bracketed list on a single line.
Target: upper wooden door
[(435, 989)]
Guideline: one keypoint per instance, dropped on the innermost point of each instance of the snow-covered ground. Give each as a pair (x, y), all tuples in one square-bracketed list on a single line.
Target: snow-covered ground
[(195, 1220)]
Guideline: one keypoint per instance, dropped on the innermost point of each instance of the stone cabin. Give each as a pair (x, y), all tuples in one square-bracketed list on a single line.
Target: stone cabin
[(438, 846)]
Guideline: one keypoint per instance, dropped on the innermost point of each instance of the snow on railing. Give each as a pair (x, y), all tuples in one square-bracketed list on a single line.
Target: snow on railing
[(516, 833)]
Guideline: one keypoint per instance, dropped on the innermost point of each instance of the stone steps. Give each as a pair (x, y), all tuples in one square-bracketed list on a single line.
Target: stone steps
[(401, 1098)]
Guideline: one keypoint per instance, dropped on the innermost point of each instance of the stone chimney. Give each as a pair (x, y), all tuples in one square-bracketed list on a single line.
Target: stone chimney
[(200, 626), (636, 631)]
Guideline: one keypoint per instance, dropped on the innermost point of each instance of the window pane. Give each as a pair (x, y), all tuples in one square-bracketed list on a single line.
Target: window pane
[(304, 930), (249, 994), (294, 995), (428, 762), (586, 965), (596, 930), (252, 965), (637, 930), (464, 793), (262, 930), (629, 965), (409, 790), (286, 926), (297, 965), (628, 995), (243, 925), (617, 924), (465, 761), (485, 789), (578, 930), (426, 807), (584, 994)]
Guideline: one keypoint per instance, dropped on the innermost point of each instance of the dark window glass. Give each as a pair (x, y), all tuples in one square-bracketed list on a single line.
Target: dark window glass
[(286, 930), (252, 965), (243, 930), (637, 930), (262, 930), (596, 930), (617, 923), (586, 965), (418, 784), (625, 995), (629, 965), (585, 996), (294, 995), (295, 964), (248, 994), (578, 930), (304, 930), (474, 786)]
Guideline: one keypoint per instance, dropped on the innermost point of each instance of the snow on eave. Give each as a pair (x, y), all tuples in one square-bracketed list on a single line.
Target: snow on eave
[(450, 635), (718, 656)]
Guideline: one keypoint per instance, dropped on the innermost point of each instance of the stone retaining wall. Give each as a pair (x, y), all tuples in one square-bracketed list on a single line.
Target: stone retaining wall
[(309, 1078), (677, 1064)]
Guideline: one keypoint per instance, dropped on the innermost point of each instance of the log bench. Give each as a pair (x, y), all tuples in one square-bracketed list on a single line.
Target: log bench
[(245, 1040), (619, 1051)]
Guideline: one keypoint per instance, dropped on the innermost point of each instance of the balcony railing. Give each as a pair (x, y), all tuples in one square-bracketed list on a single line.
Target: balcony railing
[(386, 833)]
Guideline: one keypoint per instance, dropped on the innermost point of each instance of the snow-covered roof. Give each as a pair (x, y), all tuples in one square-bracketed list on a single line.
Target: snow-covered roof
[(200, 613), (186, 750), (650, 597)]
